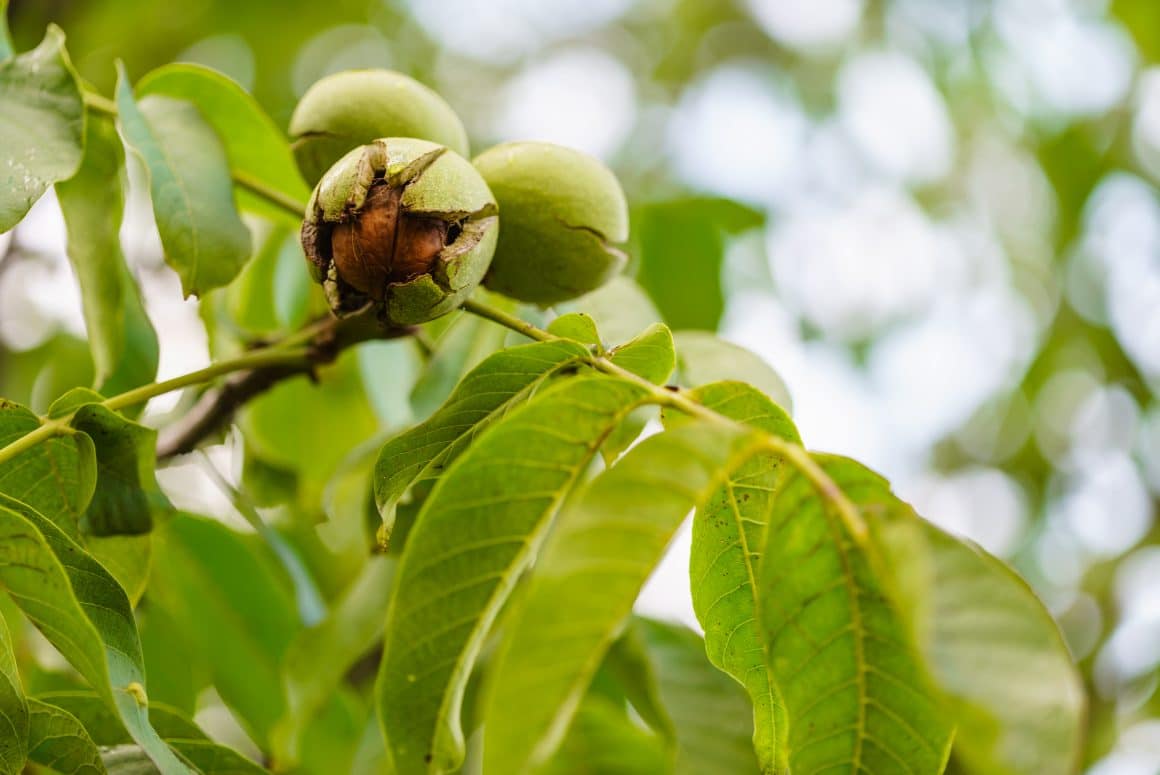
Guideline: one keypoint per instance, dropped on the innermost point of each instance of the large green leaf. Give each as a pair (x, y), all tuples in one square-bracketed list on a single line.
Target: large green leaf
[(703, 357), (477, 532), (14, 711), (42, 125), (122, 340), (310, 426), (728, 539), (57, 740), (711, 716), (488, 391), (205, 241), (586, 580), (604, 740), (988, 643), (855, 694), (56, 477), (254, 145), (319, 657), (82, 611), (205, 572), (681, 250)]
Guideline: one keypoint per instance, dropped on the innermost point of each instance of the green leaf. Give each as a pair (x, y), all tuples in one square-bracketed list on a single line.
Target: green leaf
[(82, 611), (127, 494), (586, 579), (310, 426), (210, 758), (989, 644), (205, 572), (576, 326), (319, 657), (56, 477), (620, 309), (604, 740), (703, 358), (42, 126), (14, 710), (251, 297), (681, 249), (477, 532), (465, 341), (121, 338), (57, 740), (106, 730), (253, 144), (855, 693), (5, 38), (650, 354), (204, 240), (711, 716), (186, 737), (728, 539), (492, 388)]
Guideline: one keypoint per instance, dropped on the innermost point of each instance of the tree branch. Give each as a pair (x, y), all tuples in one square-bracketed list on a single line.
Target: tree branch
[(216, 407)]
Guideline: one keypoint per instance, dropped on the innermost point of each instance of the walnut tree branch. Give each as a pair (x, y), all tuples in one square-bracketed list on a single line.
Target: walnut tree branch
[(216, 408)]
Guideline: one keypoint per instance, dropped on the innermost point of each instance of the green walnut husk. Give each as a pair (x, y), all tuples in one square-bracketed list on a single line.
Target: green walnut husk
[(563, 213), (405, 225), (354, 107)]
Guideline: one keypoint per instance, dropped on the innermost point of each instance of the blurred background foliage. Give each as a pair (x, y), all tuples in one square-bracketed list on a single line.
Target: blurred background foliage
[(937, 219)]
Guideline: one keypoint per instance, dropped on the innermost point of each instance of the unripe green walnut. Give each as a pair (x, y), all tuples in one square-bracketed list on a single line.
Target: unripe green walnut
[(404, 224), (351, 108), (563, 212)]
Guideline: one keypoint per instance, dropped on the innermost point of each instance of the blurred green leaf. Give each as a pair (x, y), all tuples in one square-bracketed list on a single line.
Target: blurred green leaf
[(5, 38), (83, 612), (122, 340), (587, 577), (711, 715), (310, 426), (205, 241), (42, 126), (855, 692), (704, 358), (649, 355), (205, 572), (253, 144), (681, 247), (57, 740), (728, 540), (14, 710), (177, 671), (604, 740), (319, 657), (486, 393), (493, 505), (989, 644)]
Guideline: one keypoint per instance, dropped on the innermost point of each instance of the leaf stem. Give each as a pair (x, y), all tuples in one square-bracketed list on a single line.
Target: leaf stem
[(57, 426), (255, 186), (679, 400)]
